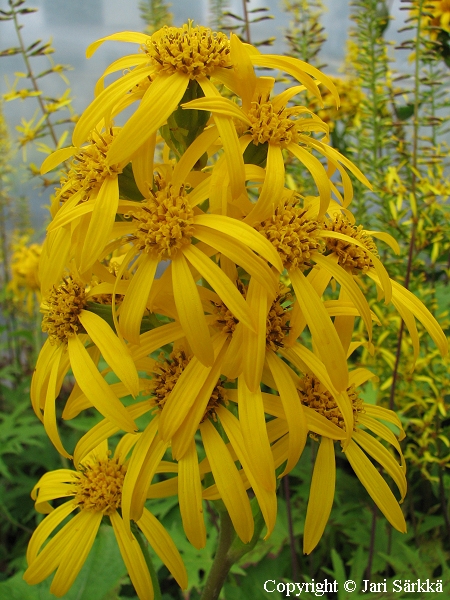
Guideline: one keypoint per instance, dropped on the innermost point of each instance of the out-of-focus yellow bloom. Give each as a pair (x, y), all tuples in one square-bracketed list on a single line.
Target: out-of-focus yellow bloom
[(24, 283)]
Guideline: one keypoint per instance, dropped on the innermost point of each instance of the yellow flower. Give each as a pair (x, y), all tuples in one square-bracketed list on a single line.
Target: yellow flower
[(89, 179), (24, 273), (69, 325), (95, 492)]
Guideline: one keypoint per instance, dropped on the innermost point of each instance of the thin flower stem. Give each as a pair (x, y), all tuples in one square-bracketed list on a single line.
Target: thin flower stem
[(372, 541), (148, 560), (31, 75), (247, 22), (287, 498), (412, 241), (222, 561)]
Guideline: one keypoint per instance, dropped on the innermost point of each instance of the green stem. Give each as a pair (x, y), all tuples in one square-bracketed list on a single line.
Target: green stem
[(222, 561), (31, 76), (144, 547)]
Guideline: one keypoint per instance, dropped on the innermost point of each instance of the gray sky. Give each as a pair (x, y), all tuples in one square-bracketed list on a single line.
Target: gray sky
[(74, 24)]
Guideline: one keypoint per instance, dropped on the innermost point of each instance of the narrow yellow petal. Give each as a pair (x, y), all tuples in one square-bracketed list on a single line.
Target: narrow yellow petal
[(241, 232), (182, 397), (272, 189), (240, 254), (50, 409), (267, 500), (322, 330), (134, 467), (318, 173), (350, 286), (155, 338), (243, 71), (122, 36), (321, 495), (104, 103), (78, 548), (190, 311), (104, 430), (133, 558), (163, 545), (254, 342), (113, 350), (196, 413), (220, 283), (96, 388), (159, 102), (230, 142), (228, 482), (142, 164), (295, 415), (376, 486), (195, 151), (382, 456), (253, 425), (190, 497), (46, 528), (133, 306), (220, 106), (56, 158)]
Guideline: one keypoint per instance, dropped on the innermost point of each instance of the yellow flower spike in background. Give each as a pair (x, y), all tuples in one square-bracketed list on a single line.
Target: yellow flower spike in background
[(95, 491), (25, 284)]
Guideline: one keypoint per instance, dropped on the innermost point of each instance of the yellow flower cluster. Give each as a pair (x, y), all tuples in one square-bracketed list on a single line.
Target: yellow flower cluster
[(24, 284), (181, 223)]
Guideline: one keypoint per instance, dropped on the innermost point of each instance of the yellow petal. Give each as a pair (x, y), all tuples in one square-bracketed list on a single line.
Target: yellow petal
[(76, 552), (322, 330), (158, 103), (293, 409), (122, 36), (240, 254), (190, 311), (225, 289), (182, 397), (318, 173), (230, 142), (156, 338), (162, 544), (351, 288), (243, 71), (376, 486), (137, 459), (104, 103), (133, 558), (195, 151), (382, 456), (96, 388), (142, 164), (113, 350), (321, 495), (267, 500), (298, 69), (104, 430), (190, 497), (46, 528), (242, 232), (56, 158), (220, 106), (133, 306), (228, 482), (272, 189), (50, 409), (254, 341), (253, 425), (197, 409)]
